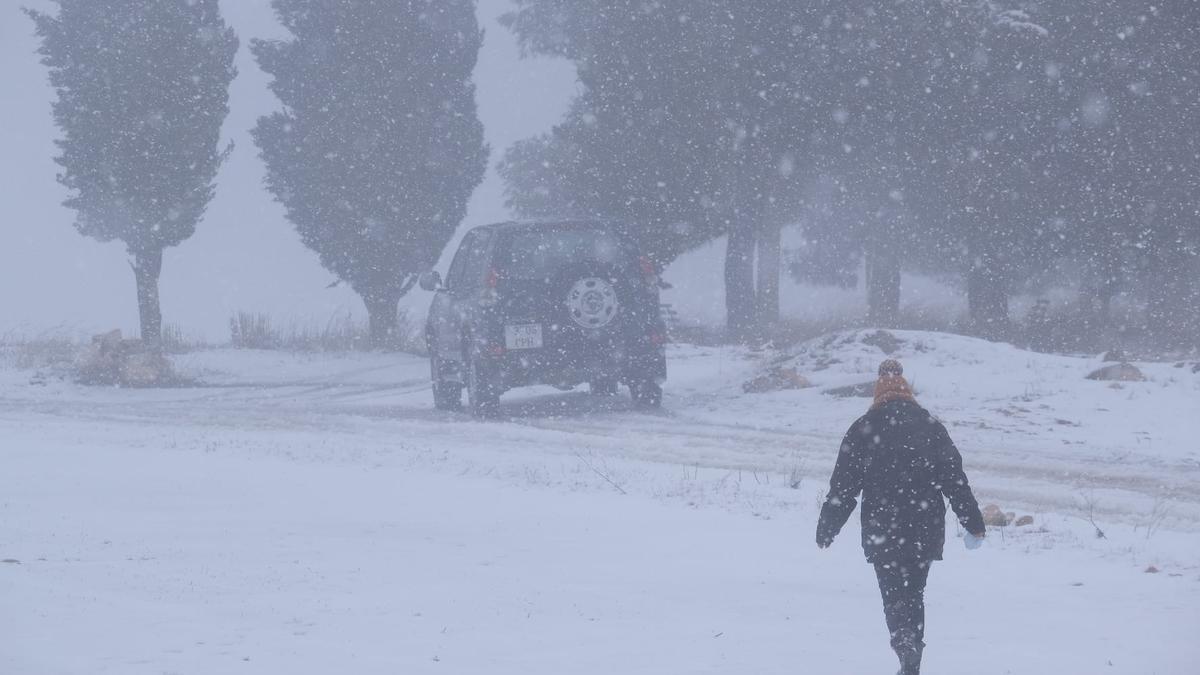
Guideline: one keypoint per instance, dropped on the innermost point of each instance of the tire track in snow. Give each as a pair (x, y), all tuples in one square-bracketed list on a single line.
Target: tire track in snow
[(567, 424)]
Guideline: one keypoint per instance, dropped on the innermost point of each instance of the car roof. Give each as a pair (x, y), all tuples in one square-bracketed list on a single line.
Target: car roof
[(554, 223)]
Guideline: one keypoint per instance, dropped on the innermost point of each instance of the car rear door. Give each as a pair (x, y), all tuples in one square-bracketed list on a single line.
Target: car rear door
[(539, 268), (456, 303)]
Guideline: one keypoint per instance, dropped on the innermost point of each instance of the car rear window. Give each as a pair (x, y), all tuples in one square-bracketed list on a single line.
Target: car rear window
[(541, 254)]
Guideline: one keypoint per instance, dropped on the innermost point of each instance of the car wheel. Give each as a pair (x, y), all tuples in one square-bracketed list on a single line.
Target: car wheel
[(446, 395), (483, 395), (646, 394), (603, 387), (593, 299)]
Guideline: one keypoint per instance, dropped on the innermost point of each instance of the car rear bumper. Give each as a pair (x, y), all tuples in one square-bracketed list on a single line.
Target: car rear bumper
[(518, 368)]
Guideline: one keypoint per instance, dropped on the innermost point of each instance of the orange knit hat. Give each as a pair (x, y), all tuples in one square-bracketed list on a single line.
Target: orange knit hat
[(891, 385)]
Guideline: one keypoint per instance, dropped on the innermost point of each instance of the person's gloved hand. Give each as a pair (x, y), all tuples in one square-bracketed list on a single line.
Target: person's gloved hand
[(973, 541), (824, 541)]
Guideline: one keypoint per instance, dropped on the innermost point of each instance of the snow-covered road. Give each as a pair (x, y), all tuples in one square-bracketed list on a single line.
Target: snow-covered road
[(313, 514), (1034, 433)]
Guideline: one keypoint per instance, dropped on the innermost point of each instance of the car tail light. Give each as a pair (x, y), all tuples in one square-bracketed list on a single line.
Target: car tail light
[(649, 273), (489, 296), (658, 338)]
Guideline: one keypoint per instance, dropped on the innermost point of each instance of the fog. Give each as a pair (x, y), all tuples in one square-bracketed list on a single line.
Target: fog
[(711, 276), (964, 166)]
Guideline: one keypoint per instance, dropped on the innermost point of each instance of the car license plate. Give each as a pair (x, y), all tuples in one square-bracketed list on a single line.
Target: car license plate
[(528, 336)]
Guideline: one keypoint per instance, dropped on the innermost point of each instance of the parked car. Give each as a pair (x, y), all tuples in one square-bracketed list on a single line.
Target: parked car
[(559, 303)]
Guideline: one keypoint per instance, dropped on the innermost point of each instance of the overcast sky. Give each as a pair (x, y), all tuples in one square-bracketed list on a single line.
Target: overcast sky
[(244, 255)]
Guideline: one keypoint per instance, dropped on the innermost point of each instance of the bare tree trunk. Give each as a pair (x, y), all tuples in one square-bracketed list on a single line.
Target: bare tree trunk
[(740, 304), (987, 298), (383, 320), (147, 266), (769, 259), (883, 286), (1173, 300), (1096, 293)]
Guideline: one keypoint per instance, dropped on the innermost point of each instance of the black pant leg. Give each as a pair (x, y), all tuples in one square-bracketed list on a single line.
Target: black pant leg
[(902, 586), (917, 577), (890, 587)]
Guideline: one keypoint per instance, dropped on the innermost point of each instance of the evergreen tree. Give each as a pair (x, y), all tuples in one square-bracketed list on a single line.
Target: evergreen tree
[(636, 145), (1130, 76), (986, 142), (379, 146), (686, 127), (143, 88)]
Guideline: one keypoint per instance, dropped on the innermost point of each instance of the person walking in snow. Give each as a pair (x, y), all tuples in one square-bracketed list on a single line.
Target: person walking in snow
[(903, 462)]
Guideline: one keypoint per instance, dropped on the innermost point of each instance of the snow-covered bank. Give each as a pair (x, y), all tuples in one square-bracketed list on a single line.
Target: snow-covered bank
[(312, 514)]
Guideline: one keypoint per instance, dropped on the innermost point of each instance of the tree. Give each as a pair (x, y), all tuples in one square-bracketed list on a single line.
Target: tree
[(1130, 76), (634, 146), (143, 88), (379, 146), (767, 101), (685, 127), (982, 141), (953, 118), (1168, 237)]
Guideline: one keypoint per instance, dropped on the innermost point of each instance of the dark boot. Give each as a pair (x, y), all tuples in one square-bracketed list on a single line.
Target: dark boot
[(910, 661)]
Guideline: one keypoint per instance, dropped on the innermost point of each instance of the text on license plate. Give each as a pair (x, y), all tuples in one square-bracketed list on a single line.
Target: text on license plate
[(527, 336)]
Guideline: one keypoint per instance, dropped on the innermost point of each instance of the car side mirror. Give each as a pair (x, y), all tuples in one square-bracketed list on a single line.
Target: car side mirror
[(430, 281)]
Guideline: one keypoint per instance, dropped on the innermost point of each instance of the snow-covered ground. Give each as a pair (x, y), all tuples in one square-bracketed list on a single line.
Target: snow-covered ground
[(313, 514)]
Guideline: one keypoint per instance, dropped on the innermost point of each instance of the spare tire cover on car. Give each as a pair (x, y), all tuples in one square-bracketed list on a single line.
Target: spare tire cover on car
[(592, 302)]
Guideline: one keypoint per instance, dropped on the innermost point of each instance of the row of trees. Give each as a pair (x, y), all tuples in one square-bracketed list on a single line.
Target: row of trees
[(374, 155), (998, 144)]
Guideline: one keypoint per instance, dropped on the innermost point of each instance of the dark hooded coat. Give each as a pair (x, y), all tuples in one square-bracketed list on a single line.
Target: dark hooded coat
[(902, 461)]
